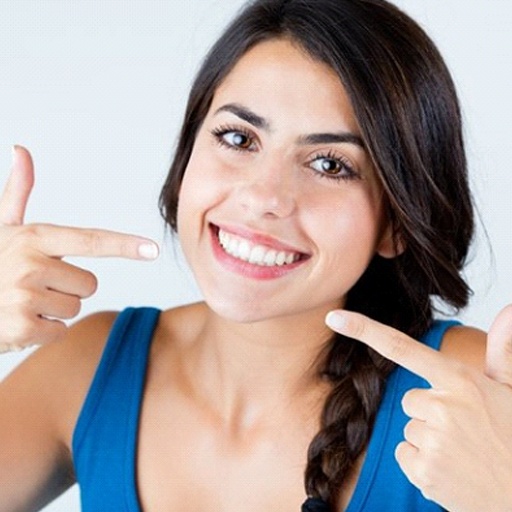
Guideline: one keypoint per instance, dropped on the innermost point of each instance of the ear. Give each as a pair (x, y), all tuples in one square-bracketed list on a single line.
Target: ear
[(391, 244)]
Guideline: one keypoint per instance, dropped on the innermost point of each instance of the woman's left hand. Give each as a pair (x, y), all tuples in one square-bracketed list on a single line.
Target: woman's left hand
[(458, 443)]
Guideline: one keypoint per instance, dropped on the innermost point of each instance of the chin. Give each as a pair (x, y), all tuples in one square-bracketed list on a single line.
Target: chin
[(246, 309), (238, 312)]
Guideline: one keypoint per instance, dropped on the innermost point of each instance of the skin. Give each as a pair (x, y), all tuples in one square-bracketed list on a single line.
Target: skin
[(457, 444), (231, 400), (274, 189)]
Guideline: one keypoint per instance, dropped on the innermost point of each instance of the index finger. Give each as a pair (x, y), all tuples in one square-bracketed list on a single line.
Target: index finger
[(416, 357), (60, 241)]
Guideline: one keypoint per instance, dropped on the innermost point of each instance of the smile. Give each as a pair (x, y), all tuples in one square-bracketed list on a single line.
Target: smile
[(255, 254)]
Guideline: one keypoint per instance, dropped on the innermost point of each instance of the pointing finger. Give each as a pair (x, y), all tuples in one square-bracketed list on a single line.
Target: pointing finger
[(394, 345), (13, 201), (58, 241)]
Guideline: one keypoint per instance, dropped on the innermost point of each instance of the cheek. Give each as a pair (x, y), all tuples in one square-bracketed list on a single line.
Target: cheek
[(349, 229), (198, 189)]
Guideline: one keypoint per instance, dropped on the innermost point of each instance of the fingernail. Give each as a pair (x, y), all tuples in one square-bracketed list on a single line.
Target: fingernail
[(13, 152), (335, 320), (148, 251)]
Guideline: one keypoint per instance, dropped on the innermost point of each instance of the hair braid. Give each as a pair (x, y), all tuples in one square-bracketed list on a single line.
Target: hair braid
[(358, 376)]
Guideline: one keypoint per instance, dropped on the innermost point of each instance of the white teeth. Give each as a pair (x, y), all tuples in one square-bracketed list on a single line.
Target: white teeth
[(231, 246), (244, 250), (270, 258), (281, 257), (255, 254)]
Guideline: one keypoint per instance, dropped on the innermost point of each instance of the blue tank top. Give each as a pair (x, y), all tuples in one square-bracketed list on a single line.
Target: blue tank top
[(105, 436)]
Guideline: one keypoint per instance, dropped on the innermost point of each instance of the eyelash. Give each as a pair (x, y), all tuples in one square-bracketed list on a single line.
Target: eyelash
[(221, 131), (347, 171)]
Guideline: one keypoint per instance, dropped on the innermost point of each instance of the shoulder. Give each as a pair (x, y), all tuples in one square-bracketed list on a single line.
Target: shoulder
[(57, 376), (39, 405), (465, 344), (78, 354), (80, 348)]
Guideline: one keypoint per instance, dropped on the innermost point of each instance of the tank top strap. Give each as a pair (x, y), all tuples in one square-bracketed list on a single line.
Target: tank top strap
[(382, 485), (105, 437), (434, 336)]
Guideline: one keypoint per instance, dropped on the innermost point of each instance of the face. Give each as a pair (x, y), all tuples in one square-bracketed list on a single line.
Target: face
[(280, 210)]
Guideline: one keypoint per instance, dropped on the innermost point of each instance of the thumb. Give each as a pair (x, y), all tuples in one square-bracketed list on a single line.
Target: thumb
[(499, 347), (13, 201)]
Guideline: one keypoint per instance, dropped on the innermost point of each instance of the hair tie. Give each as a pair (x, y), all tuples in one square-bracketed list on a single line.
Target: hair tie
[(315, 505)]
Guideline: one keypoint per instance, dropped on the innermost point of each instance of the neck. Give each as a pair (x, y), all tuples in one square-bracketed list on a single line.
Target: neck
[(248, 370)]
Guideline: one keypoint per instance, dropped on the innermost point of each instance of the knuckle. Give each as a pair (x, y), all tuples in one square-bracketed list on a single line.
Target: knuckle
[(435, 451), (467, 379), (21, 300), (23, 331), (438, 410), (462, 371), (28, 271), (356, 325), (30, 233), (92, 242), (424, 478), (473, 393), (124, 247), (429, 477), (397, 346), (415, 466), (26, 230), (428, 492), (24, 240)]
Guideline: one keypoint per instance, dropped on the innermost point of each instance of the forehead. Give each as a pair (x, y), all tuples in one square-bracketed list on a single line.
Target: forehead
[(276, 78)]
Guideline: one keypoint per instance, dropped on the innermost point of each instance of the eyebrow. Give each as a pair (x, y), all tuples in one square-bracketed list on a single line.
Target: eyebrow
[(246, 115), (304, 140), (331, 138)]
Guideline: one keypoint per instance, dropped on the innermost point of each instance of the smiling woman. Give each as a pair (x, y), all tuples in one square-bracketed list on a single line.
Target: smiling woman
[(397, 201), (320, 166)]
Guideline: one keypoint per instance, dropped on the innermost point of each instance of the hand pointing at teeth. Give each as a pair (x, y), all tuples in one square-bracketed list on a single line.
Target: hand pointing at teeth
[(37, 288), (458, 443)]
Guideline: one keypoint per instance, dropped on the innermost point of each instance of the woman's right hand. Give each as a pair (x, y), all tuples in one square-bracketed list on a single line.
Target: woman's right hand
[(38, 290)]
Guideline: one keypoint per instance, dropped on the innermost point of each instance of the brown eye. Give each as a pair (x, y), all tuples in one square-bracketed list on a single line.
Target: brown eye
[(332, 166), (328, 165), (235, 138), (238, 140)]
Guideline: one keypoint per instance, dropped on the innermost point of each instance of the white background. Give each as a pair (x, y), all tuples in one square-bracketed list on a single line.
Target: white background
[(96, 89)]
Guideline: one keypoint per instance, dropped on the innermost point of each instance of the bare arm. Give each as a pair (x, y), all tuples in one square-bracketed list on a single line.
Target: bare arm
[(39, 406), (40, 401)]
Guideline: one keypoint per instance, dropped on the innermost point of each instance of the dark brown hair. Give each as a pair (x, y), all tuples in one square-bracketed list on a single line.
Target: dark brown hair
[(408, 113)]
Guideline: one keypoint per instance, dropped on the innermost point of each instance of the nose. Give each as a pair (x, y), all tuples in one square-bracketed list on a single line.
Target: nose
[(269, 193)]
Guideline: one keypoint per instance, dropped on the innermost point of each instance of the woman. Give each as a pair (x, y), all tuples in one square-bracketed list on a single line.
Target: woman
[(320, 166)]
